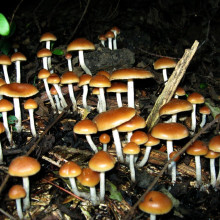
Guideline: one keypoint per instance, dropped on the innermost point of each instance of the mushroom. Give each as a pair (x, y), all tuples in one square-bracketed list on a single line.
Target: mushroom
[(68, 57), (81, 44), (156, 203), (24, 166), (173, 166), (70, 78), (6, 106), (179, 92), (53, 92), (102, 162), (17, 192), (86, 127), (116, 32), (84, 82), (17, 58), (169, 132), (197, 149), (18, 90), (2, 129), (195, 98), (102, 38), (130, 75), (111, 119), (5, 61), (131, 149), (90, 179), (44, 74), (104, 139), (164, 63), (44, 54), (30, 105), (204, 110), (109, 35)]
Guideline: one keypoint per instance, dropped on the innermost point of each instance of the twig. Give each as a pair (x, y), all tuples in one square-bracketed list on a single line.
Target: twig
[(171, 85), (12, 17), (6, 214), (83, 14), (207, 126)]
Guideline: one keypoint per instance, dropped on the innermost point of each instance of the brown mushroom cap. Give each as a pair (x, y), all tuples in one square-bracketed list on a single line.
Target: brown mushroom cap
[(104, 73), (2, 128), (69, 77), (5, 60), (196, 98), (43, 74), (48, 37), (44, 53), (18, 90), (175, 106), (214, 143), (23, 166), (164, 63), (131, 74), (2, 82), (18, 56), (156, 203), (30, 104), (117, 87), (113, 118), (212, 155), (180, 91), (172, 154), (53, 79), (205, 110), (102, 162), (84, 79), (198, 148), (109, 34), (16, 192), (88, 177), (80, 44), (116, 29), (70, 169), (104, 138), (99, 81), (102, 37), (5, 105), (152, 141), (169, 131), (85, 126), (139, 137), (131, 148)]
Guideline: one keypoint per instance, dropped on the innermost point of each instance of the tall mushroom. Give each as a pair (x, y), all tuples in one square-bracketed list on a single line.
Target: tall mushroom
[(130, 75), (116, 32), (81, 44), (24, 166), (53, 92), (110, 35), (44, 54), (5, 61), (16, 91), (2, 129), (204, 111)]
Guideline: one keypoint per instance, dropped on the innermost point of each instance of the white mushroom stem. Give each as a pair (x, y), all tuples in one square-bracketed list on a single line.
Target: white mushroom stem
[(198, 171), (45, 63), (7, 130), (130, 93), (72, 96), (129, 134), (32, 125), (110, 43), (82, 63), (60, 94), (48, 45), (102, 100), (74, 186), (70, 67), (169, 150), (93, 195), (84, 96), (19, 208), (145, 158), (105, 147), (203, 121), (91, 143), (132, 170), (98, 104), (193, 118), (118, 98), (118, 147), (212, 172), (1, 153), (152, 217), (57, 99), (173, 172), (18, 70), (103, 43), (102, 186), (115, 40), (49, 94), (165, 75), (218, 177), (49, 58), (17, 114), (26, 200), (5, 70), (174, 118)]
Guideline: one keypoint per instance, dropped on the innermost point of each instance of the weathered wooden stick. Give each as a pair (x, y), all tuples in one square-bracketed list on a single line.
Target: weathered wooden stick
[(171, 85)]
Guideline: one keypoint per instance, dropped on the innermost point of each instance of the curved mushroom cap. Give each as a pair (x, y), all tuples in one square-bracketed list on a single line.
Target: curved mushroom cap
[(109, 34), (172, 154), (198, 148), (196, 98), (43, 74), (2, 82), (70, 169), (205, 110), (113, 118), (139, 137), (18, 90), (53, 79), (100, 81), (48, 37), (212, 154), (30, 104), (80, 44), (136, 122), (5, 105), (214, 144), (85, 126), (164, 63), (18, 56), (102, 162), (131, 74), (104, 138), (88, 177), (44, 53), (104, 73), (24, 166), (5, 60), (16, 192), (169, 131), (131, 148), (2, 128), (152, 141), (175, 106), (69, 77), (115, 29), (84, 79), (102, 37), (180, 91), (156, 203), (117, 87)]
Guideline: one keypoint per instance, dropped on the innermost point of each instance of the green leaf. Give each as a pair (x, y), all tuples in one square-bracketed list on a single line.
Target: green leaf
[(4, 25), (114, 193), (5, 46), (58, 52), (12, 119), (202, 85), (214, 110)]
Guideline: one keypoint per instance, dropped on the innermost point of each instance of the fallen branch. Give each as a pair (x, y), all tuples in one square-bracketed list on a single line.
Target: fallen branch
[(132, 210), (171, 85)]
